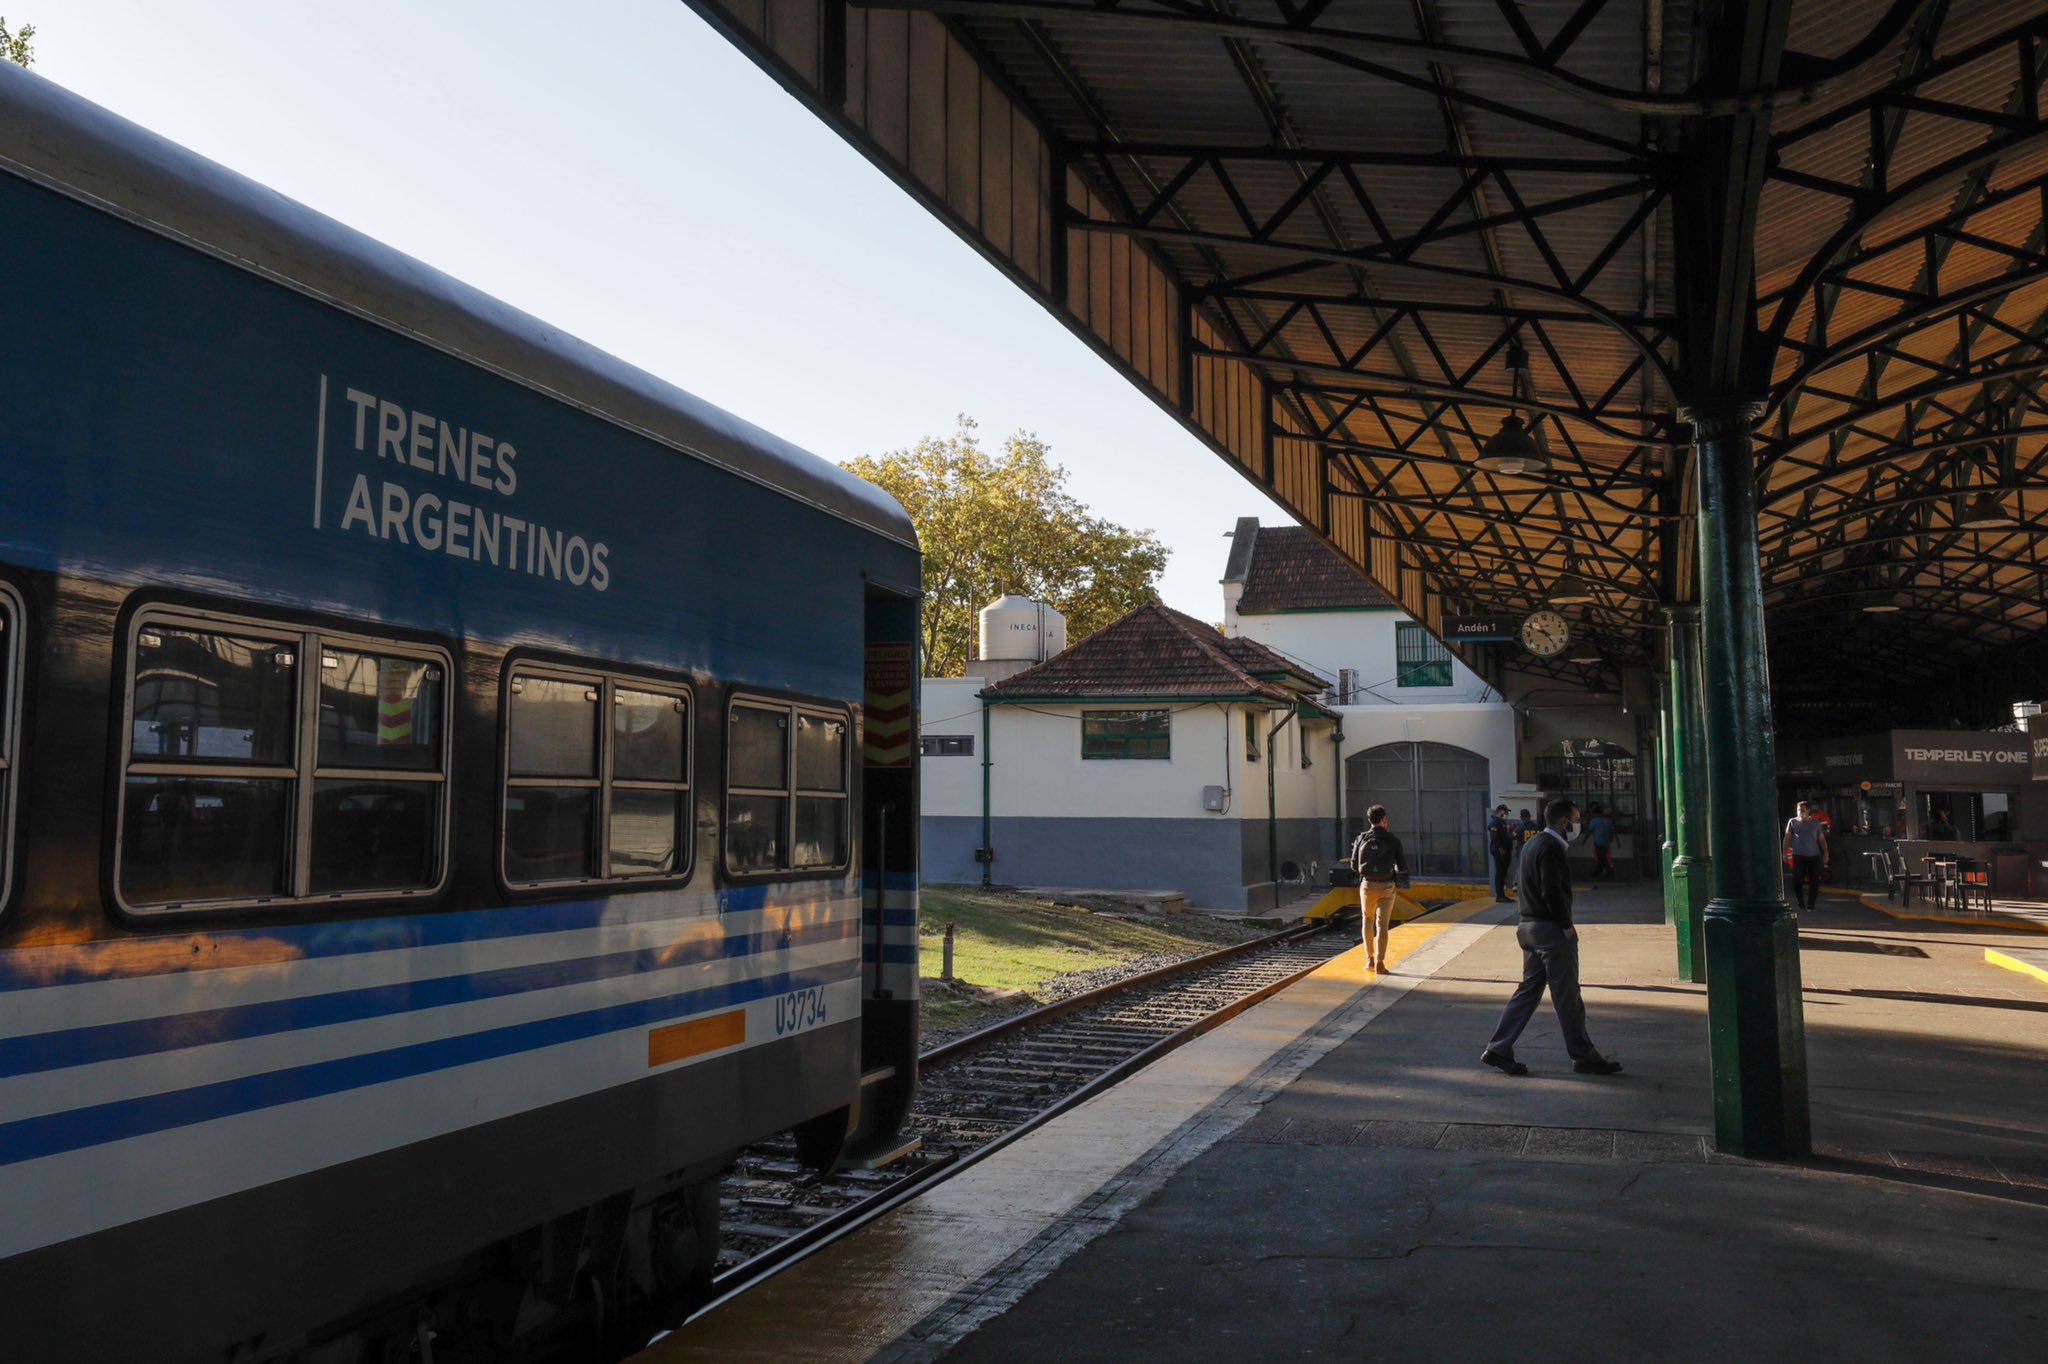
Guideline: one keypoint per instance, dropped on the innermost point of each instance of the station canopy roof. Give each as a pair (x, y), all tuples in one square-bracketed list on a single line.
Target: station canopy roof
[(1348, 242)]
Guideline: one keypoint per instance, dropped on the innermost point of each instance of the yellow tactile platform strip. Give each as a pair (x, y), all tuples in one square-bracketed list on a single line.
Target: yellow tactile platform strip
[(925, 1274), (2026, 962)]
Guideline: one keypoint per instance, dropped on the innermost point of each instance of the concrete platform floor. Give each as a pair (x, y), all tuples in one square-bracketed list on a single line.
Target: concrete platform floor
[(1355, 1185)]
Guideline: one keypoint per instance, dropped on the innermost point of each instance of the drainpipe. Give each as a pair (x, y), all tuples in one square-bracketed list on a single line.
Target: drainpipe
[(988, 865), (1337, 753), (1273, 807)]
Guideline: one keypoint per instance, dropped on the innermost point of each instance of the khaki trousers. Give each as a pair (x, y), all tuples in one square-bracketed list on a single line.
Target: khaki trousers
[(1376, 916)]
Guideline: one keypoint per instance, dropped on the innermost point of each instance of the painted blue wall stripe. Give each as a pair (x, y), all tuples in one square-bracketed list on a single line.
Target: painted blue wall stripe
[(893, 954), (61, 1048), (75, 1129)]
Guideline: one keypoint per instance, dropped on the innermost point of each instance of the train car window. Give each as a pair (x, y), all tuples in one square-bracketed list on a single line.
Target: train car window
[(759, 752), (587, 801), (821, 806), (273, 764), (376, 785), (378, 712), (786, 805), (650, 795), (208, 696), (554, 728), (10, 726)]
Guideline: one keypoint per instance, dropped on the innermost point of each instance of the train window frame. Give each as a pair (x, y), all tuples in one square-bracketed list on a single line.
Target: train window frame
[(13, 658), (609, 683), (790, 791), (304, 771)]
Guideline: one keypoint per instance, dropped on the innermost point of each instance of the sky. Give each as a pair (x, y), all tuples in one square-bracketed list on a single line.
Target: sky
[(621, 171)]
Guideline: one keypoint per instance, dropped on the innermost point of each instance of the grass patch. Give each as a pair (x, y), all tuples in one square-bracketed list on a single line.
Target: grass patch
[(1004, 941)]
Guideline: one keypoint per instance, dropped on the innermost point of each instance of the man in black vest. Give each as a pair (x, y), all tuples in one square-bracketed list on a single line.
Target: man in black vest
[(1550, 952)]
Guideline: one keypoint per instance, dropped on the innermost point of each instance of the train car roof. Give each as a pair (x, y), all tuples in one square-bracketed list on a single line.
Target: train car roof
[(58, 139)]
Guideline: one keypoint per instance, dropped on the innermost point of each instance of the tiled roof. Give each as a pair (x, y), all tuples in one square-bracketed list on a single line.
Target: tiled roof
[(1157, 651), (1288, 569)]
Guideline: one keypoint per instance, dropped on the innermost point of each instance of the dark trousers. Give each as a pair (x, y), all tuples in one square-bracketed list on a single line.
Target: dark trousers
[(1549, 957), (1503, 874), (1806, 881), (1603, 861)]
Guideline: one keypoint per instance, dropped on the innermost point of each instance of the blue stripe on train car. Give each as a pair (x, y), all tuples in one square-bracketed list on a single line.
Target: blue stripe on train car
[(75, 1129), (57, 1049), (892, 953)]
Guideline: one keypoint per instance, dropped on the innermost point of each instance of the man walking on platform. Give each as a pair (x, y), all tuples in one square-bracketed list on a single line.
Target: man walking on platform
[(1806, 838), (1377, 858), (1550, 953)]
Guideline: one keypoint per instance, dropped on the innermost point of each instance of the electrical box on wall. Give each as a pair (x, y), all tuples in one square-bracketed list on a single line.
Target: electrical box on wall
[(1213, 797)]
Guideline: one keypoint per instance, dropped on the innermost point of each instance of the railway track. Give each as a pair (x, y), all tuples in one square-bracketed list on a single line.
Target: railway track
[(982, 1091)]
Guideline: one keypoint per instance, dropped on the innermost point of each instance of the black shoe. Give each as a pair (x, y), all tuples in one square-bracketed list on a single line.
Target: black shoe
[(1599, 1065), (1506, 1065)]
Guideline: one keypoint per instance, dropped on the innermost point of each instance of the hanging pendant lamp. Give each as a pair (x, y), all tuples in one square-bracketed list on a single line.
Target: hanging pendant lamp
[(1512, 450), (1986, 512)]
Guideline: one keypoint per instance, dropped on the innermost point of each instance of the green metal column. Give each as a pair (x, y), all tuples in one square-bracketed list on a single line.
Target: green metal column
[(988, 864), (1665, 797), (1757, 1029), (1692, 869)]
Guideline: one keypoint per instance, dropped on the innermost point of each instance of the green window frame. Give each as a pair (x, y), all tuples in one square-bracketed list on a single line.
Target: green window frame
[(1142, 734), (1420, 660)]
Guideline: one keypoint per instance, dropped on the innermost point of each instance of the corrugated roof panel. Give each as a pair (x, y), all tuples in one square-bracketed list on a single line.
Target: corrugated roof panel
[(1086, 76)]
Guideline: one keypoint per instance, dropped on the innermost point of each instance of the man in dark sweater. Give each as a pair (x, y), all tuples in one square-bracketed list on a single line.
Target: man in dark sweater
[(1550, 952)]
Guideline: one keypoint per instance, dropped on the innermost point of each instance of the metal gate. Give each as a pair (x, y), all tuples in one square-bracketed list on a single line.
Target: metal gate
[(1435, 796), (1589, 773)]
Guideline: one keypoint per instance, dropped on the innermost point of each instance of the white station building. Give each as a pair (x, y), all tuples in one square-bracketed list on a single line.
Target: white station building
[(1162, 754)]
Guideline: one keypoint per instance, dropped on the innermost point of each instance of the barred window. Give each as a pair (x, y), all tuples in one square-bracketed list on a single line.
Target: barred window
[(1126, 734), (591, 798), (1419, 660), (946, 745), (786, 788), (267, 763)]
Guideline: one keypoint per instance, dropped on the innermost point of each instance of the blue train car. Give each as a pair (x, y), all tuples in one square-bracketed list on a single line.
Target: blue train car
[(455, 790)]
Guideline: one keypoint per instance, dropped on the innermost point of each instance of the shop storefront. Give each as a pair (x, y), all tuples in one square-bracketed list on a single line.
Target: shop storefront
[(1927, 792)]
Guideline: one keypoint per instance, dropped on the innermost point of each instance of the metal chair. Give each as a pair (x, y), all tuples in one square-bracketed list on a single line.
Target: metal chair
[(1944, 883), (1970, 888), (1904, 878)]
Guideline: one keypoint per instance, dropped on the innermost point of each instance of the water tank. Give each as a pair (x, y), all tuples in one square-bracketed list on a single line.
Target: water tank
[(1015, 628)]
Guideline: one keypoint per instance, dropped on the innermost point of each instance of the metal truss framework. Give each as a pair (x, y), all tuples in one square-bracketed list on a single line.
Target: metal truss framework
[(1369, 232)]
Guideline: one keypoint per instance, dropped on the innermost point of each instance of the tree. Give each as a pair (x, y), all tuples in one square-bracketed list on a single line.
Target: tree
[(15, 46), (991, 523)]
